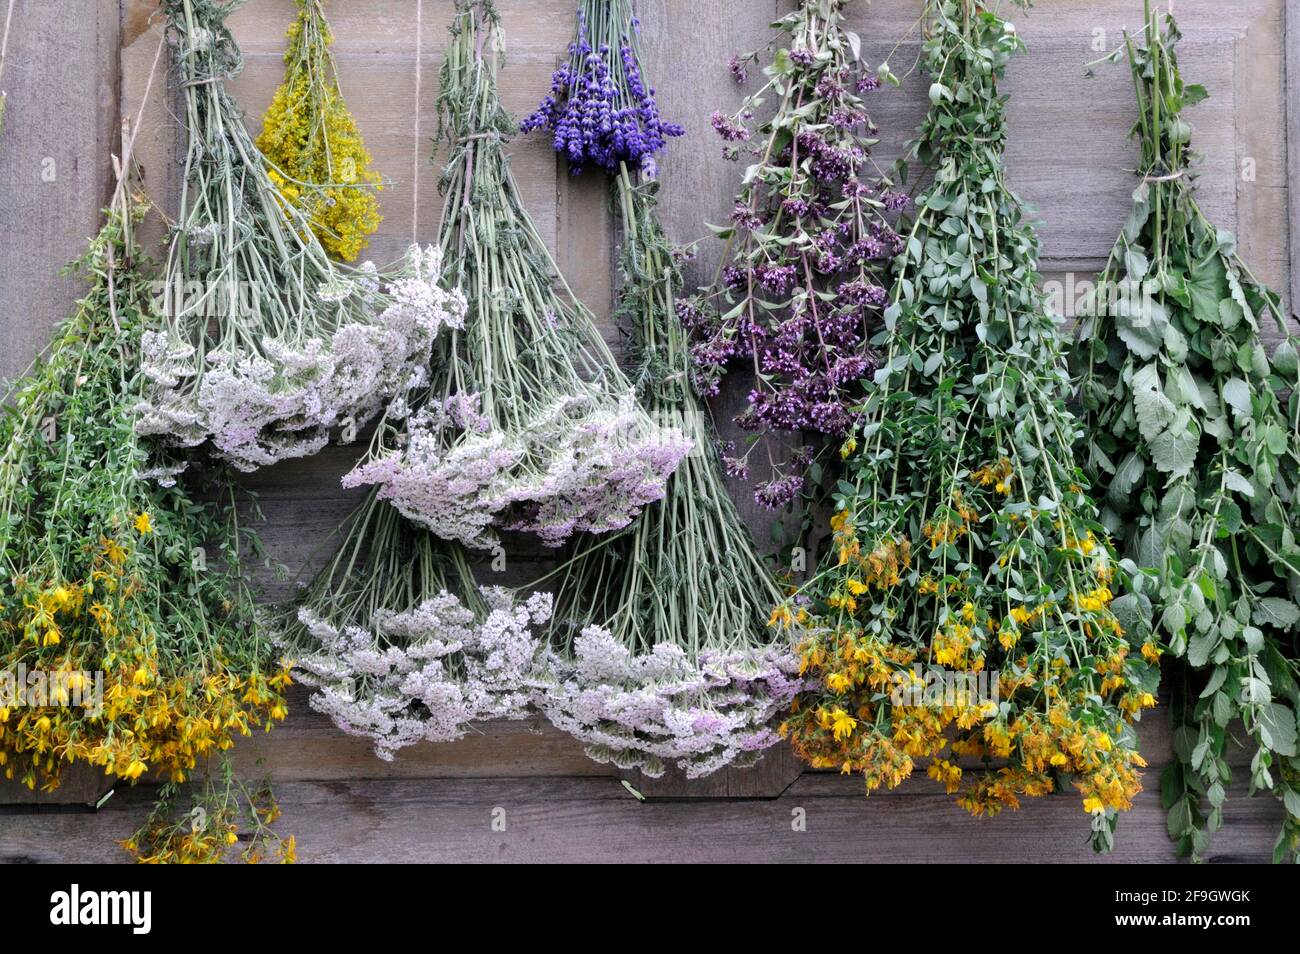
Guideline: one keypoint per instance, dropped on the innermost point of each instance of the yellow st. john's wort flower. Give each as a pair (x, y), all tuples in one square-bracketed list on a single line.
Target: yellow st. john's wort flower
[(144, 523)]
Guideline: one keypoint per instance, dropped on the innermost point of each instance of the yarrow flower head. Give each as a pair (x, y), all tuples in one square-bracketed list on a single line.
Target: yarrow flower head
[(546, 439), (399, 644), (261, 345)]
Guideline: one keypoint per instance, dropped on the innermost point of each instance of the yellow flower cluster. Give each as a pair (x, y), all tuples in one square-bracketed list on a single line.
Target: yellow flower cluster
[(320, 164), (152, 717), (1048, 659), (210, 832)]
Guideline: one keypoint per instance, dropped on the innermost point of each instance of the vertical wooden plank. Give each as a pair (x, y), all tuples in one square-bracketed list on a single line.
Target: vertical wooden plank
[(1291, 72), (61, 126)]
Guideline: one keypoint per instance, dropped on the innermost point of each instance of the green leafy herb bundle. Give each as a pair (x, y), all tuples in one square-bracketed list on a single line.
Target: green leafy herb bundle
[(1195, 433), (122, 597), (965, 541)]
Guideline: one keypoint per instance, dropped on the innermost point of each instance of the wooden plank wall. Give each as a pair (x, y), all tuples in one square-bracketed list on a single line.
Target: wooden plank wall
[(71, 76)]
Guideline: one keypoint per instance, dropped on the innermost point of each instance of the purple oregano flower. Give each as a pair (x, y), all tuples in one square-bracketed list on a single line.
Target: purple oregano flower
[(801, 288)]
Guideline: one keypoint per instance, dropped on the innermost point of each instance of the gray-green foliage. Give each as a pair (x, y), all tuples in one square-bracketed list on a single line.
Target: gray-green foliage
[(1194, 435)]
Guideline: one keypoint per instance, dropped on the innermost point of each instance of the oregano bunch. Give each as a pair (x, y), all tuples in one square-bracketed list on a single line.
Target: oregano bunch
[(1195, 434), (801, 286), (965, 542), (317, 158)]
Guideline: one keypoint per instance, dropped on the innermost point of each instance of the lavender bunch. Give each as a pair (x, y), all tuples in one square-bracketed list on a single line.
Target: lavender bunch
[(599, 108), (529, 425), (399, 644), (264, 345), (800, 289), (660, 645)]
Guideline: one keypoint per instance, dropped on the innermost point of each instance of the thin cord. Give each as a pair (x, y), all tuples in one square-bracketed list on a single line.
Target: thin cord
[(415, 162), (4, 42), (134, 129)]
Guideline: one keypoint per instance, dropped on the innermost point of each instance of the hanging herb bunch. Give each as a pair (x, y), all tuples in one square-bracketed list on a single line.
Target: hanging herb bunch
[(965, 543), (801, 286), (121, 597), (401, 646), (660, 649), (317, 159), (1196, 434), (266, 346), (599, 109), (529, 424)]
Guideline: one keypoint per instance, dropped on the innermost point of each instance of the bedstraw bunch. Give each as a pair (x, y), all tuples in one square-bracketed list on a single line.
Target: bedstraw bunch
[(965, 543), (317, 158)]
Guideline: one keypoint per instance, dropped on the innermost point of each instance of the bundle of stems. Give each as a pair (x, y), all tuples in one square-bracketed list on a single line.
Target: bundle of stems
[(528, 424), (265, 345), (400, 645), (318, 160), (966, 546), (800, 287), (599, 107), (1196, 435), (660, 644), (122, 598)]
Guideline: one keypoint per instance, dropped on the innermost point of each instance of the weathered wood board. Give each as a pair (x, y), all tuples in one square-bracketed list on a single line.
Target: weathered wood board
[(1069, 157)]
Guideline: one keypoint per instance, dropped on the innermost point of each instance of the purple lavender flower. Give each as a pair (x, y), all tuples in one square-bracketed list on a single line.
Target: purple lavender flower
[(599, 108)]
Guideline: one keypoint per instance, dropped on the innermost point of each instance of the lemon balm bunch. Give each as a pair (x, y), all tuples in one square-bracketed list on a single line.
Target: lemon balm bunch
[(1196, 435), (267, 346), (401, 646), (317, 158), (526, 423), (964, 541), (800, 290), (124, 595)]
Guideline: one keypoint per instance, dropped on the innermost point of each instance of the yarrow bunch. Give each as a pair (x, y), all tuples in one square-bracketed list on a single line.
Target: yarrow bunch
[(140, 647), (528, 425), (1196, 434), (965, 543), (400, 645), (266, 346), (317, 158), (660, 650), (600, 110), (800, 289)]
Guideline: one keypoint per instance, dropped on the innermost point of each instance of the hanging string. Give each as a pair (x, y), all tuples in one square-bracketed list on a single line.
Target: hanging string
[(4, 48), (122, 167), (415, 162)]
